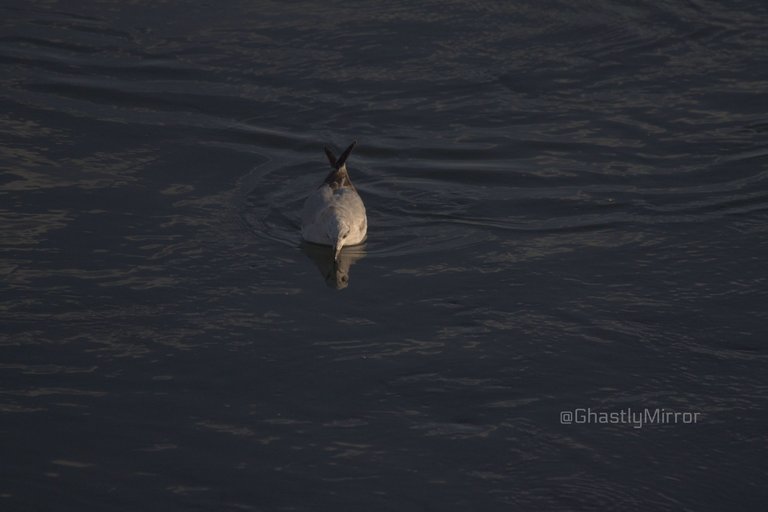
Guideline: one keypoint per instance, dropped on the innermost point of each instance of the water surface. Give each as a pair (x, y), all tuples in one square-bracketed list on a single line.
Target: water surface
[(567, 209)]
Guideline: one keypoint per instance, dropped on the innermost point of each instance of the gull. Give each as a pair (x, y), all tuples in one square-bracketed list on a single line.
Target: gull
[(334, 214)]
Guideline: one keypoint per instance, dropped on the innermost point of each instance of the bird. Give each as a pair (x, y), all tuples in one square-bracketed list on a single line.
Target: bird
[(334, 214)]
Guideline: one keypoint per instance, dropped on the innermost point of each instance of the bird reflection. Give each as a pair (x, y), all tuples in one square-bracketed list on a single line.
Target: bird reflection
[(335, 272)]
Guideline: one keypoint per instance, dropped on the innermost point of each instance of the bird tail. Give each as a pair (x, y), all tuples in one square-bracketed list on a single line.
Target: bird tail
[(338, 164)]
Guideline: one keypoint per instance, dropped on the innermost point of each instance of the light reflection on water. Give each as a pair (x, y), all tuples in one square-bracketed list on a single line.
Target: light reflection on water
[(336, 272)]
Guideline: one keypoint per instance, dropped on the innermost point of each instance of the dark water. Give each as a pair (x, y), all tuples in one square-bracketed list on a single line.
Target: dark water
[(568, 208)]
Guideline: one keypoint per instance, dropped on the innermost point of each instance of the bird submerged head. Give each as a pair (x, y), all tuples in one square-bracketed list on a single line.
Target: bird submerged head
[(339, 241)]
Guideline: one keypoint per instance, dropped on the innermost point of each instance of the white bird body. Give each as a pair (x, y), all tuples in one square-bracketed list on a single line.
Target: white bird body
[(334, 214)]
